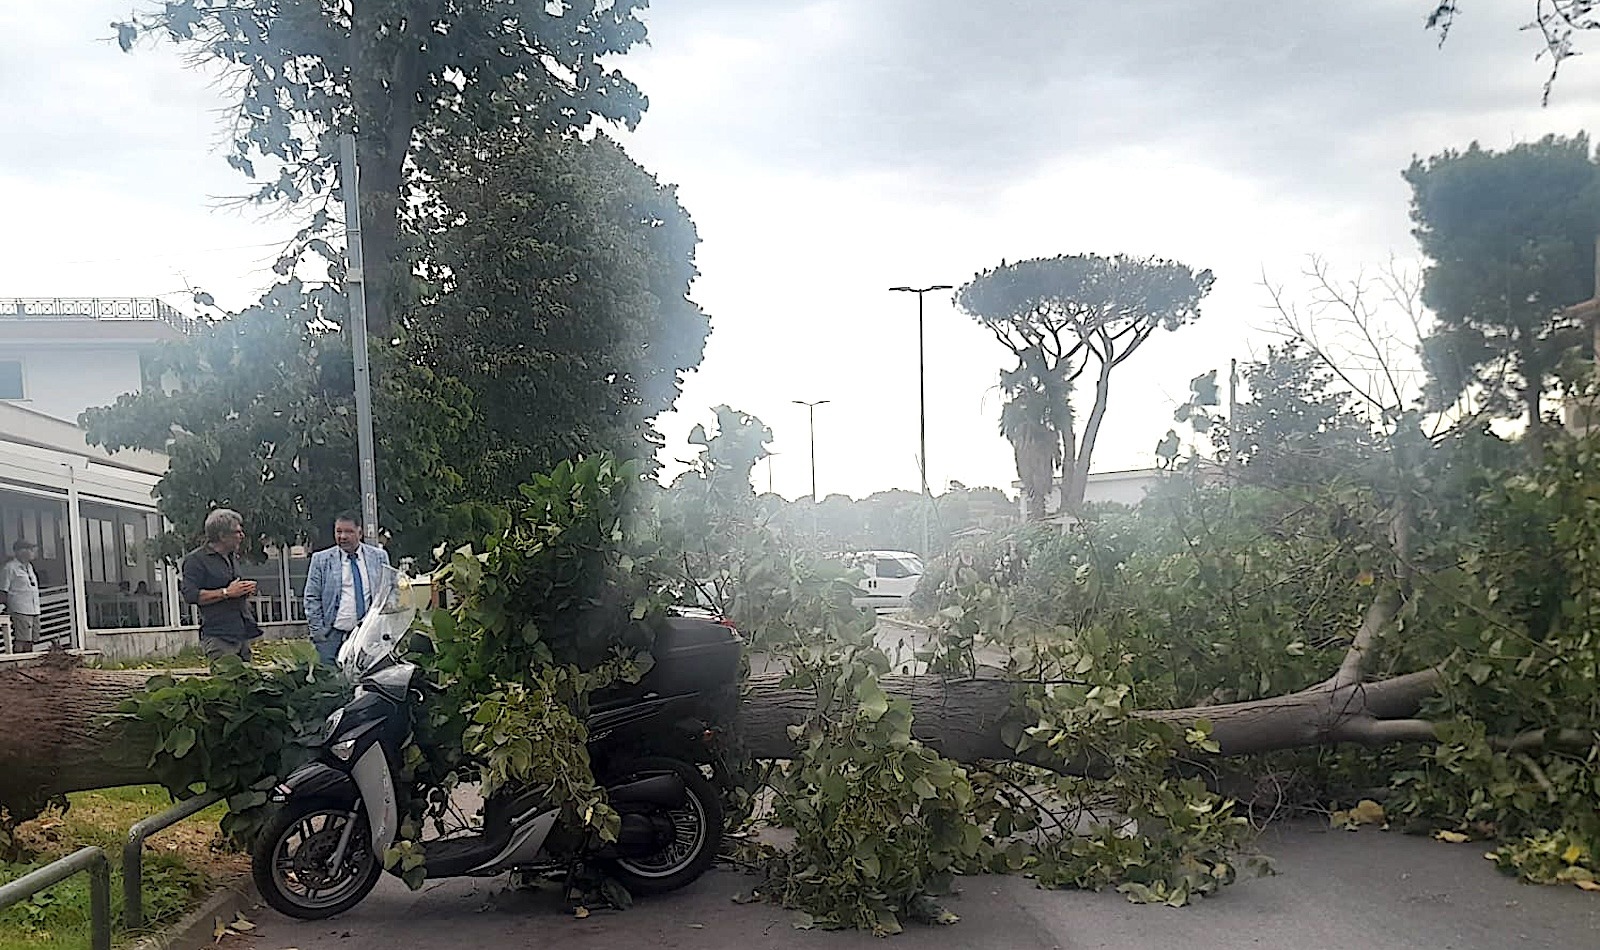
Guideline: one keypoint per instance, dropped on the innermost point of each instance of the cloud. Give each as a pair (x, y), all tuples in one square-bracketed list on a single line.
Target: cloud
[(829, 150), (981, 93), (112, 165)]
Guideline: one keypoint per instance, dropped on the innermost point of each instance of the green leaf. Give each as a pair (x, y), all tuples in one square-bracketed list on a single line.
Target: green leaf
[(180, 741), (874, 702), (870, 865)]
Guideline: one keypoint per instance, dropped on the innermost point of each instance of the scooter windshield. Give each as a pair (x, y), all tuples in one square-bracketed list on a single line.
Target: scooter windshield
[(377, 637)]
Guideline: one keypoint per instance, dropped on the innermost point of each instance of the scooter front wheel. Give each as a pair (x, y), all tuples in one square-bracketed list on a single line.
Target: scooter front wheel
[(293, 858)]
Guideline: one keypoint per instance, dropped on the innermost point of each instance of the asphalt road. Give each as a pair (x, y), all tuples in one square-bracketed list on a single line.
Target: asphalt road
[(1367, 890)]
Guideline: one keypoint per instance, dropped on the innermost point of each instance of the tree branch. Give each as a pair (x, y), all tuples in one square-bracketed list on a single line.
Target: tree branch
[(1546, 738), (1379, 615), (1537, 774), (1369, 731)]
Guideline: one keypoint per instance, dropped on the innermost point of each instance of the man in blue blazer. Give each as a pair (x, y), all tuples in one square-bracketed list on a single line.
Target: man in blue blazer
[(342, 583)]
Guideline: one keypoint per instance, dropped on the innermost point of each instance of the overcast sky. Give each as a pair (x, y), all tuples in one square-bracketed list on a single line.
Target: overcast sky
[(829, 150)]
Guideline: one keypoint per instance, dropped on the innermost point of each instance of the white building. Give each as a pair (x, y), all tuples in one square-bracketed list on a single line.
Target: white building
[(60, 356), (89, 511), (1123, 488)]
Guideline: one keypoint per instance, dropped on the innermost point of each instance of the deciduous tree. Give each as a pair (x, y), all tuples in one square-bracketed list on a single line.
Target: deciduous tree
[(559, 274), (408, 78), (260, 417)]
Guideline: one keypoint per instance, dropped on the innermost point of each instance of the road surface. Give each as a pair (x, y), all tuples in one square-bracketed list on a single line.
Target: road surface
[(1335, 890)]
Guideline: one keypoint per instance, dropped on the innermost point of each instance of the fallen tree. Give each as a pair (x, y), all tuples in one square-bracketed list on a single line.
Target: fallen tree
[(1089, 626), (68, 736), (63, 733)]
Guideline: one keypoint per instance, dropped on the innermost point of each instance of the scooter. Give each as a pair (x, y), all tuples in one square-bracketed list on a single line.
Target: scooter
[(650, 745)]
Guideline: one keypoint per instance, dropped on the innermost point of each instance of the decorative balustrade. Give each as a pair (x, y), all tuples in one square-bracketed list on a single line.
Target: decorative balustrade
[(94, 308)]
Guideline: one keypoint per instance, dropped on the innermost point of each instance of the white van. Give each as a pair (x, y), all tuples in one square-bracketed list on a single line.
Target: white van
[(891, 577)]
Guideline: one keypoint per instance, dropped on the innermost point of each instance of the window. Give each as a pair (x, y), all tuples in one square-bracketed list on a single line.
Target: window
[(49, 535), (11, 379), (99, 536), (895, 567)]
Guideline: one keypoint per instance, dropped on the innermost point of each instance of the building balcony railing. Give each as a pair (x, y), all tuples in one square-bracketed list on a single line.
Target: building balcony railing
[(95, 308)]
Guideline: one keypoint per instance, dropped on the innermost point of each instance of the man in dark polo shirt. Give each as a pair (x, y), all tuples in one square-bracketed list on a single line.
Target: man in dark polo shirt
[(211, 581)]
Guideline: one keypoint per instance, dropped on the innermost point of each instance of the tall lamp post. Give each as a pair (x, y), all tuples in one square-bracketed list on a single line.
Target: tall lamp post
[(356, 286), (922, 406), (811, 413)]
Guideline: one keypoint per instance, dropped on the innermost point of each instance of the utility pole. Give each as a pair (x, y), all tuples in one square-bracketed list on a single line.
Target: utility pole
[(356, 288), (1594, 302), (922, 406), (811, 412), (1233, 415)]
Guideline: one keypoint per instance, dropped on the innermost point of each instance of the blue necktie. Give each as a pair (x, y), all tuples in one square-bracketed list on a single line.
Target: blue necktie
[(361, 589)]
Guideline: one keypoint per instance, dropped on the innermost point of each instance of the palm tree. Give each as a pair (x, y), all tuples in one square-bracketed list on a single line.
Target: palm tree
[(1037, 421)]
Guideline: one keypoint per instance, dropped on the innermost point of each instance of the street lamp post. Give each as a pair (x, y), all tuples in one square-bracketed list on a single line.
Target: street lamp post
[(922, 406), (356, 284), (811, 413)]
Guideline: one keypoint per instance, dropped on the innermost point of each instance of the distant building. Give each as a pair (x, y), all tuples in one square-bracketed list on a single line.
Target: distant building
[(1123, 488)]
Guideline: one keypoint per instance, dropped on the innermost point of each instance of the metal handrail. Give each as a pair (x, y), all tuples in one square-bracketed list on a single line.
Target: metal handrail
[(133, 852), (89, 859)]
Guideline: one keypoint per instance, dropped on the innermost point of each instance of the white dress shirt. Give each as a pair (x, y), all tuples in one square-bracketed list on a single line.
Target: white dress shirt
[(346, 618)]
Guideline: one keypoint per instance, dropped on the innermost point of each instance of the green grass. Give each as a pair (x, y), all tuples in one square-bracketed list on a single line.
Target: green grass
[(180, 868), (193, 658)]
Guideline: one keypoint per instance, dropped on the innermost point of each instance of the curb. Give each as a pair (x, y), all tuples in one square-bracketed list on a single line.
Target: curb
[(897, 621), (197, 928)]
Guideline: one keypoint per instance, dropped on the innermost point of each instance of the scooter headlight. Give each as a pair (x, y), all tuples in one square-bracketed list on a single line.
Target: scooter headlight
[(332, 724), (343, 750)]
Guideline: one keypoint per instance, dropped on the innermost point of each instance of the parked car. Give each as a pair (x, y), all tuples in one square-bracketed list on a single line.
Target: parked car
[(890, 578)]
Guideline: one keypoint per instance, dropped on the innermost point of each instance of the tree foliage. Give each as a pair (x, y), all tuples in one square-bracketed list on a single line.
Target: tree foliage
[(1510, 237), (409, 78), (260, 417), (1215, 593), (237, 731), (1300, 428), (1063, 317), (559, 274)]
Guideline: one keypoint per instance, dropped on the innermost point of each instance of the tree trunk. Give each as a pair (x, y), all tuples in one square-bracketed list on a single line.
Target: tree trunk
[(962, 719), (386, 89), (63, 734), (1035, 469), (1073, 489)]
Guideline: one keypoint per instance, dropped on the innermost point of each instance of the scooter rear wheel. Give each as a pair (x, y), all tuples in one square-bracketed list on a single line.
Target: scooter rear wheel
[(291, 858), (697, 826)]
